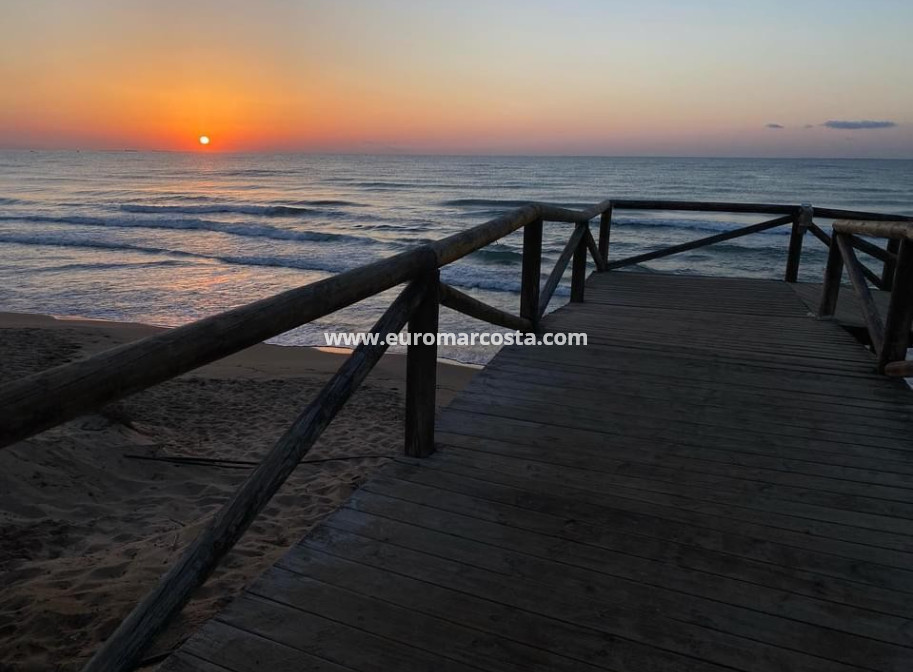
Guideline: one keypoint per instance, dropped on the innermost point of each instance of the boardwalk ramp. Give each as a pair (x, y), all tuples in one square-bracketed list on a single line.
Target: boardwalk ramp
[(717, 481)]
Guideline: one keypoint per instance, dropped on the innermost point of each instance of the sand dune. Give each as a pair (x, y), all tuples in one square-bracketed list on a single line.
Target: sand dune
[(86, 529)]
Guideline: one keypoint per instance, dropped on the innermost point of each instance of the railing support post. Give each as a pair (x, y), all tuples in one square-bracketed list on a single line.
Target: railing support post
[(833, 273), (578, 269), (887, 271), (421, 372), (605, 233), (801, 224), (900, 310), (532, 272)]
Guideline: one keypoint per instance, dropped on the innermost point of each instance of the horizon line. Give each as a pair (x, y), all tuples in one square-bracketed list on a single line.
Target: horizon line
[(203, 152)]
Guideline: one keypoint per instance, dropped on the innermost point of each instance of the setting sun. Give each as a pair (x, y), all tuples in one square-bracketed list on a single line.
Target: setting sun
[(204, 139)]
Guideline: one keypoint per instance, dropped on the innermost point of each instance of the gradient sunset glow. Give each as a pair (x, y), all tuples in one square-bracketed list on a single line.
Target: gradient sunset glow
[(543, 77)]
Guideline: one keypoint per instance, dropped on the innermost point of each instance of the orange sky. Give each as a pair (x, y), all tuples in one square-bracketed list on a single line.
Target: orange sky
[(575, 77)]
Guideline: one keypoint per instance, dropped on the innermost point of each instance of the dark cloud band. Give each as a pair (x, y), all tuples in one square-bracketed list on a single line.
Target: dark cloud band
[(858, 125)]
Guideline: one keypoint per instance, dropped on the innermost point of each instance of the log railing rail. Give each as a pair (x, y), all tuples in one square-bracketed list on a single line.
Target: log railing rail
[(51, 397)]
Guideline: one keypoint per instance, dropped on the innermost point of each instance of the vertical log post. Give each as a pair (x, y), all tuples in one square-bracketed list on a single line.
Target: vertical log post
[(605, 232), (532, 272), (900, 310), (421, 372), (887, 271), (833, 272), (578, 269), (801, 224)]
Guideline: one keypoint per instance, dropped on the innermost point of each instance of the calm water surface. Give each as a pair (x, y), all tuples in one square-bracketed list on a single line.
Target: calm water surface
[(168, 238)]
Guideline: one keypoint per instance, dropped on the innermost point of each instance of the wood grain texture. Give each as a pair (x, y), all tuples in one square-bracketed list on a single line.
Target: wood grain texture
[(718, 481)]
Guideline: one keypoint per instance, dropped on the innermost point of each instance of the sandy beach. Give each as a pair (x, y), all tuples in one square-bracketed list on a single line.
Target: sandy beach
[(87, 526)]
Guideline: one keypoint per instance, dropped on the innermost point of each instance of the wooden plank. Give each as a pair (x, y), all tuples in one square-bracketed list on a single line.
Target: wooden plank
[(554, 213), (598, 259), (581, 514), (860, 244), (716, 481), (421, 370), (869, 310), (605, 234), (638, 402), (300, 631), (468, 305), (833, 273), (801, 222), (605, 607), (433, 631), (551, 283), (900, 311), (224, 647), (885, 524), (578, 267), (607, 550), (887, 272), (703, 206), (899, 228), (512, 623), (531, 272), (390, 518)]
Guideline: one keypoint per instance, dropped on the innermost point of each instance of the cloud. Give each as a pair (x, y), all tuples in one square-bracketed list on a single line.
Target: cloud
[(858, 125), (776, 126)]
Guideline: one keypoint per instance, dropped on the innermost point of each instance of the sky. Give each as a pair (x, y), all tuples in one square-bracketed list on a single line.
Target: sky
[(766, 78)]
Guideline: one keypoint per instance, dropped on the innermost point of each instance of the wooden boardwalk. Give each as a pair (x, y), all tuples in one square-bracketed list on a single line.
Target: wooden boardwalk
[(718, 481)]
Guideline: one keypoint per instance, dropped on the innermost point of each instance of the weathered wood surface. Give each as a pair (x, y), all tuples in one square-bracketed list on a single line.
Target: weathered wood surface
[(878, 228), (718, 481)]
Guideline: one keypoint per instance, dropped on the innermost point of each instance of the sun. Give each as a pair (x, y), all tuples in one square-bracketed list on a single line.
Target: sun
[(204, 139)]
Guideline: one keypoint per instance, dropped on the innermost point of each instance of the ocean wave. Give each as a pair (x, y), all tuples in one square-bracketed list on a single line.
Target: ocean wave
[(190, 224), (329, 265), (504, 203), (264, 210), (464, 276), (329, 203), (498, 254), (104, 266)]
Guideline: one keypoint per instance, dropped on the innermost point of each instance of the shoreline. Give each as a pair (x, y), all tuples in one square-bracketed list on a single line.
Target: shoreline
[(86, 528)]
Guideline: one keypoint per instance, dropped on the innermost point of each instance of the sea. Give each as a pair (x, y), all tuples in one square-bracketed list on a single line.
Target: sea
[(168, 238)]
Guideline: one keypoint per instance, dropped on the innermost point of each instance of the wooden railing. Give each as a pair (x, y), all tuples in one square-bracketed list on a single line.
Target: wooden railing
[(54, 396), (890, 338)]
